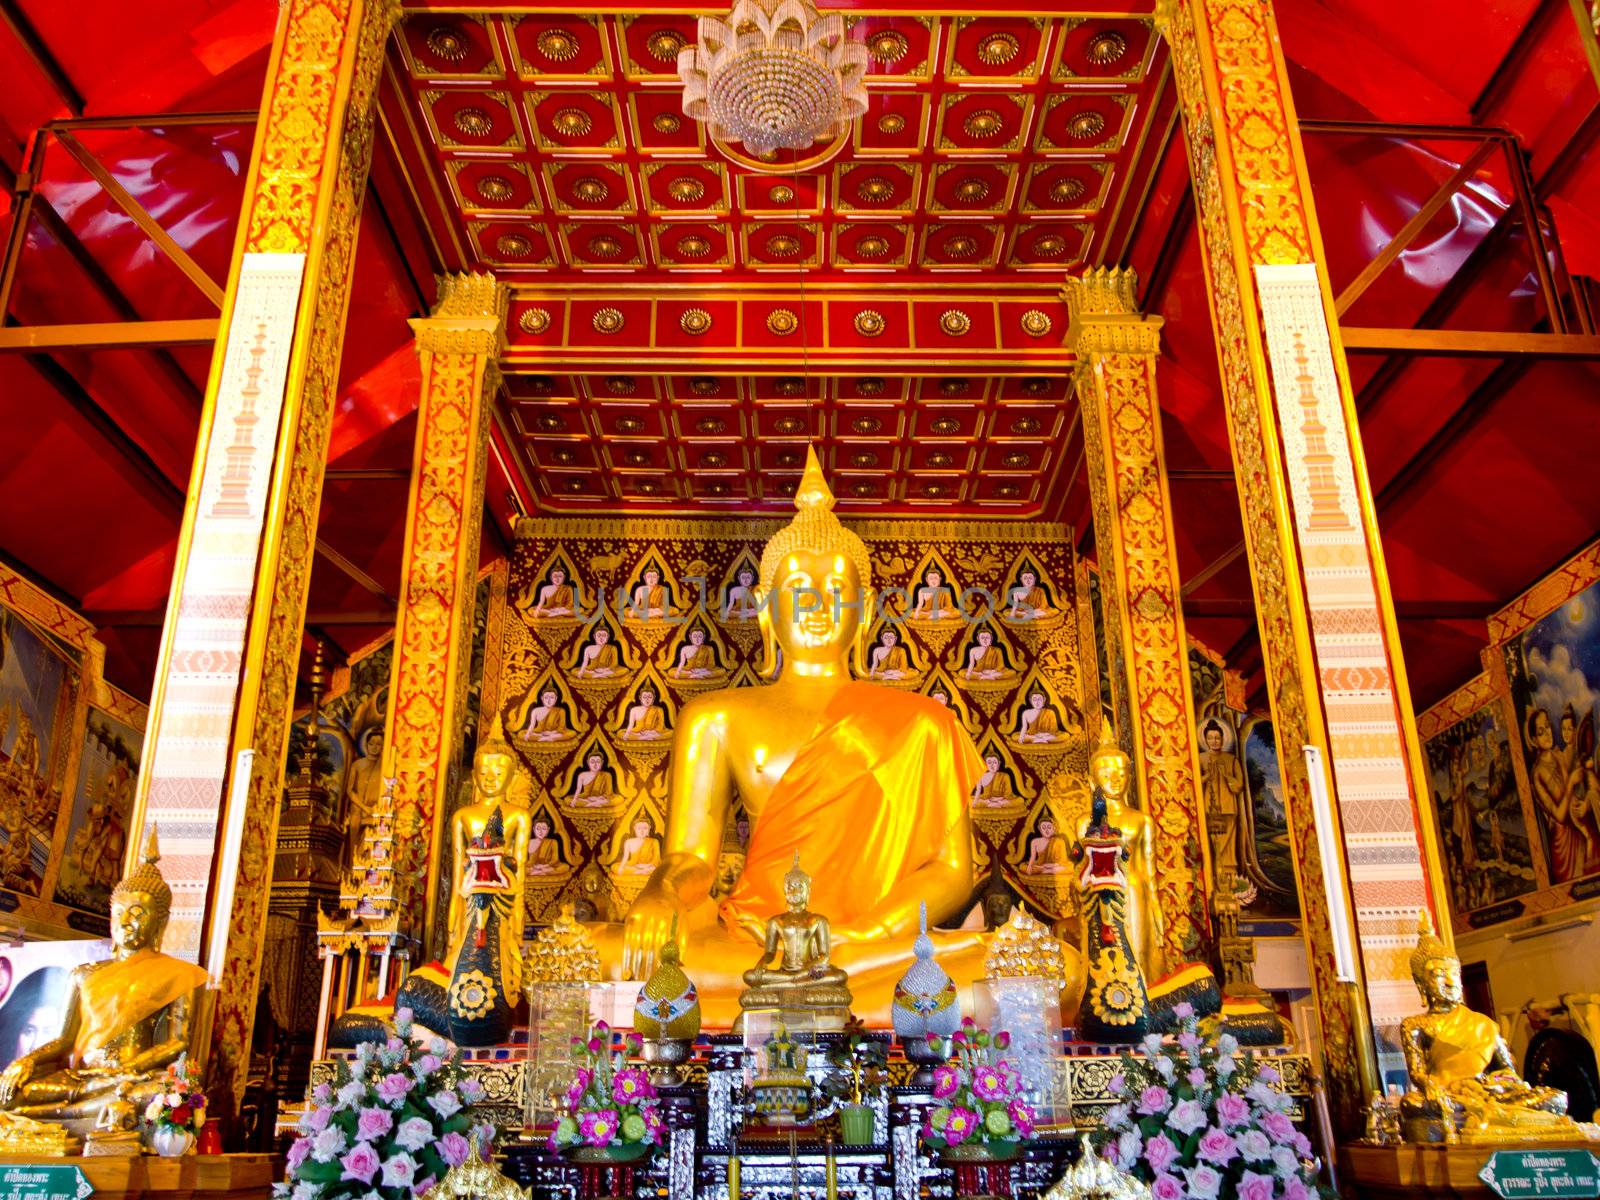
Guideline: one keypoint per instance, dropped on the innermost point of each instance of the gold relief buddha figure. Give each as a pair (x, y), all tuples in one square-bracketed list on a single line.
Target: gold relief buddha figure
[(547, 720), (595, 786), (544, 850), (1464, 1082), (1048, 852), (741, 603), (640, 852), (934, 600), (555, 598), (696, 660), (599, 658), (888, 659), (868, 784), (1038, 722), (651, 599), (994, 788), (1111, 772), (646, 720), (986, 662), (1029, 601), (127, 1018), (794, 972)]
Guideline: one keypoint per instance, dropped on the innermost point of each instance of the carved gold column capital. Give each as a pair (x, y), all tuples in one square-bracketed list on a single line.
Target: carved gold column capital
[(469, 316), (1104, 317)]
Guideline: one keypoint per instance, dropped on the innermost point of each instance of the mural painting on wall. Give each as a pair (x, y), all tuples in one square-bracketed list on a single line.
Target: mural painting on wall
[(1487, 855), (1246, 824), (608, 634), (38, 697), (97, 827), (1554, 672)]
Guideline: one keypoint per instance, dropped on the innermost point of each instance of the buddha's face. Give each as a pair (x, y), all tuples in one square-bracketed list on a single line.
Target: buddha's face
[(1213, 738), (797, 892), (602, 636), (652, 578), (1047, 828), (890, 637), (1111, 773), (992, 761), (548, 698), (541, 829), (942, 697), (1029, 579), (746, 578), (595, 762), (985, 638), (816, 609), (1442, 981), (1036, 701), (641, 829), (647, 697), (493, 772), (375, 744), (558, 576), (697, 637), (934, 578), (133, 921)]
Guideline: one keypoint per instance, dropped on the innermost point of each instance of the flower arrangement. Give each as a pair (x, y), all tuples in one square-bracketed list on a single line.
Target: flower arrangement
[(979, 1094), (1195, 1119), (181, 1104), (389, 1126), (609, 1103)]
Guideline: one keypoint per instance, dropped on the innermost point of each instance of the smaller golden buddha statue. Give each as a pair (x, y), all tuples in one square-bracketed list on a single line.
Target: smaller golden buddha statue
[(127, 1017), (116, 1130), (1464, 1083), (793, 972), (1112, 773)]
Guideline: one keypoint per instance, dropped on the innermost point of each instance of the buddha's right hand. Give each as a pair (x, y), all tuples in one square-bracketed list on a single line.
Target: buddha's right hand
[(646, 929), (14, 1077)]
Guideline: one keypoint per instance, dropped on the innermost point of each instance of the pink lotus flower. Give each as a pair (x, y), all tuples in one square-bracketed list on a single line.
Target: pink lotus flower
[(580, 1084), (946, 1081), (1253, 1186), (361, 1164), (960, 1126), (599, 1127), (631, 1085), (1022, 1116), (1217, 1147), (1154, 1099), (1232, 1111), (1160, 1152), (987, 1084), (454, 1149)]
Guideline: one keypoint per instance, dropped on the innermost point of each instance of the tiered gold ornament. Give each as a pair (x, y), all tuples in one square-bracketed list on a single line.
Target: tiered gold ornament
[(562, 952), (476, 1179), (1093, 1177), (667, 1015), (1023, 948)]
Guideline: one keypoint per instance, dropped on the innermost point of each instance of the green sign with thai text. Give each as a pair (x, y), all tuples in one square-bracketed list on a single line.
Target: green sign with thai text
[(1548, 1174), (43, 1183)]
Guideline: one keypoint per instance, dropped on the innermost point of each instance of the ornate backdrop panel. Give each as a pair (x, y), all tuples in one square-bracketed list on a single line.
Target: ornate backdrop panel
[(590, 693)]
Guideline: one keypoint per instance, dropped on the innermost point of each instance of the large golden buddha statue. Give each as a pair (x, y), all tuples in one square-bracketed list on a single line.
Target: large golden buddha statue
[(1464, 1082), (867, 784), (127, 1017)]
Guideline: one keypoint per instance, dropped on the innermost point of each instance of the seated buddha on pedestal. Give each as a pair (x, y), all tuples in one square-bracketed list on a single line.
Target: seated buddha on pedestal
[(869, 785)]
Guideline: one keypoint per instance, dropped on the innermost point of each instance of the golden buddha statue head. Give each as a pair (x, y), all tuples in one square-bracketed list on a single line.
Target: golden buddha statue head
[(141, 902), (1434, 969), (1109, 765), (797, 886), (495, 764), (815, 581)]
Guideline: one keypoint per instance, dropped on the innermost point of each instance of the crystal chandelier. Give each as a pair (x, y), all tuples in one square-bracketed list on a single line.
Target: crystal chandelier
[(776, 74)]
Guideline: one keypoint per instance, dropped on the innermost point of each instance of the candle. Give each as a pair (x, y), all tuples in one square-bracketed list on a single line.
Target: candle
[(733, 1177), (833, 1177)]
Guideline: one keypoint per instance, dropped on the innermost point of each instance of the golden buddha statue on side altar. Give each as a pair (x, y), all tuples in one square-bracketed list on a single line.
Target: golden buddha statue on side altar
[(127, 1017), (800, 977), (1464, 1082), (1111, 771), (868, 784)]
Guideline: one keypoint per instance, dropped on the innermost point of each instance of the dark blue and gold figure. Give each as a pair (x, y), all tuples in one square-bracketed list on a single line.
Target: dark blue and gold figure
[(489, 847), (1116, 1006)]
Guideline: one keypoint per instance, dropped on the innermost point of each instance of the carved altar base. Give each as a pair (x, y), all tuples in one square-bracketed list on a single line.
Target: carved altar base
[(1411, 1170)]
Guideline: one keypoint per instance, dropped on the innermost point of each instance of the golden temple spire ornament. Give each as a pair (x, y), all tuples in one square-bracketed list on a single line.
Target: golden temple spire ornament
[(774, 74)]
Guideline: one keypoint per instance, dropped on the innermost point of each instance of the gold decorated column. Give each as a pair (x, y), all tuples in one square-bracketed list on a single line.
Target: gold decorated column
[(1335, 680), (458, 346), (1116, 351), (230, 649)]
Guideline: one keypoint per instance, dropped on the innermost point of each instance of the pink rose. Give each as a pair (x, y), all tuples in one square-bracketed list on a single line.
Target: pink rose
[(1167, 1187), (361, 1164), (373, 1123), (317, 1119), (1154, 1099), (1253, 1186), (1232, 1110), (392, 1090), (1160, 1152), (299, 1152), (1278, 1127), (1217, 1147), (454, 1149)]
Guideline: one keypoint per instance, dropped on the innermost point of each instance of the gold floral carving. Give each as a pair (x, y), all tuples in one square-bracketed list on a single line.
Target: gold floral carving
[(457, 344), (1116, 382), (1226, 76), (314, 153)]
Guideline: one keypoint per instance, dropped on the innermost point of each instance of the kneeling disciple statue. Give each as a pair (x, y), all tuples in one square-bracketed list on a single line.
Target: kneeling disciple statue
[(800, 978), (127, 1017), (1464, 1083)]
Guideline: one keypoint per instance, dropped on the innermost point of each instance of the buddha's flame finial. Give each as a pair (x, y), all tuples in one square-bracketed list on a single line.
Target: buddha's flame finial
[(813, 492), (152, 847)]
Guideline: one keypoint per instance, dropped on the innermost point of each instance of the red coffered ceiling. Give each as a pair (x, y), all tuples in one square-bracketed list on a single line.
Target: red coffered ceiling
[(992, 145), (675, 304)]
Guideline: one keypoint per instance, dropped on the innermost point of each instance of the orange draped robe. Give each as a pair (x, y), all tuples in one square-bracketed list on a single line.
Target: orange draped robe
[(867, 801), (119, 993)]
